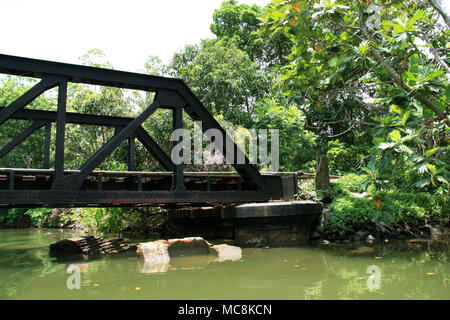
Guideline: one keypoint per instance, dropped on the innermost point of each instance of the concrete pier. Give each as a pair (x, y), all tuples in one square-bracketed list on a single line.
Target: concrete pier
[(251, 225)]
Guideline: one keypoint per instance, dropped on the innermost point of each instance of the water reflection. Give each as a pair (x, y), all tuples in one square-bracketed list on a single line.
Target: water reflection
[(150, 265), (394, 270), (156, 257)]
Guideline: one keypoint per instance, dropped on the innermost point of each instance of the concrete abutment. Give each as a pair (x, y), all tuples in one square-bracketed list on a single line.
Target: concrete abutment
[(251, 225)]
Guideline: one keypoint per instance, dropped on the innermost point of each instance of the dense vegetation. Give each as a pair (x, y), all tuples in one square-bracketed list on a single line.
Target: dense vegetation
[(360, 88)]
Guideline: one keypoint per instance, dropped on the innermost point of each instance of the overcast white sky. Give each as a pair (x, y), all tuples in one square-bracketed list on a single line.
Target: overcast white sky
[(126, 30)]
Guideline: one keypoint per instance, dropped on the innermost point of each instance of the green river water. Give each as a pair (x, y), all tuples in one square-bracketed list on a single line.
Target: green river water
[(380, 270)]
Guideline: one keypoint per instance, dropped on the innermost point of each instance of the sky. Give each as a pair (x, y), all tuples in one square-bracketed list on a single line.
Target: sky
[(127, 31)]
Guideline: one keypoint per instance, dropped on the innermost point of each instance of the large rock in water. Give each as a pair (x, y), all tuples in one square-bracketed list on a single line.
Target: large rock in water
[(226, 252), (157, 254), (187, 246), (88, 245)]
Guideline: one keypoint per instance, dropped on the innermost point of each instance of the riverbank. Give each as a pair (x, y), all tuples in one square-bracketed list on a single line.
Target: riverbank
[(148, 222), (352, 215)]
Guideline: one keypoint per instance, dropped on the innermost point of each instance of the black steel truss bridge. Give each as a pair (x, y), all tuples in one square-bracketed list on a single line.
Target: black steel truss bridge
[(57, 187)]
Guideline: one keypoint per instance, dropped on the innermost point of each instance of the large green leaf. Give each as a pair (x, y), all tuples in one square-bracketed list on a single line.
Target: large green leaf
[(413, 70), (430, 152), (395, 135)]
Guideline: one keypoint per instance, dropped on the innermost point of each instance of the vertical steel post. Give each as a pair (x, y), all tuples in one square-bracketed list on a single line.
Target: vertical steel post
[(100, 182), (60, 133), (48, 135), (11, 180), (208, 183), (178, 175), (132, 153), (139, 179)]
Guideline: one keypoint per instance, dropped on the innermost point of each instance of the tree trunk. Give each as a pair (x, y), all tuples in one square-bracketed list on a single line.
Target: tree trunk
[(322, 172)]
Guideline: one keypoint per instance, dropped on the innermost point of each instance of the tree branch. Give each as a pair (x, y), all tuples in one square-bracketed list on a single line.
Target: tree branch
[(397, 78), (441, 11)]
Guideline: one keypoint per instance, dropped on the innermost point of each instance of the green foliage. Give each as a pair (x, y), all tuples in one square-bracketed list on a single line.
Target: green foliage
[(350, 182), (225, 80), (347, 209), (241, 25), (109, 220), (11, 217), (407, 154), (18, 217), (356, 64), (345, 157), (349, 213), (40, 217), (309, 166), (414, 207), (27, 154), (115, 220), (296, 145)]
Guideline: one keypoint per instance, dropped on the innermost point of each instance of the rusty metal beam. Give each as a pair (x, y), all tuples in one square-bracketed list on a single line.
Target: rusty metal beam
[(74, 182), (60, 134), (153, 147), (37, 124), (45, 84)]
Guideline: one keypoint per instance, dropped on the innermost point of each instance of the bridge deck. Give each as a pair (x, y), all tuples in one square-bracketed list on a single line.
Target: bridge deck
[(32, 188)]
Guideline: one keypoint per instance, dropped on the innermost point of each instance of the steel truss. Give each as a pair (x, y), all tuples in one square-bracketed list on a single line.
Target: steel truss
[(56, 187)]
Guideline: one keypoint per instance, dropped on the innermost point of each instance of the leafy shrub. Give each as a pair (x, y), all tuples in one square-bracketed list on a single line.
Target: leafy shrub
[(99, 219), (414, 207), (343, 157), (114, 220), (344, 186), (11, 217), (396, 208), (351, 182), (40, 217), (347, 209), (309, 167)]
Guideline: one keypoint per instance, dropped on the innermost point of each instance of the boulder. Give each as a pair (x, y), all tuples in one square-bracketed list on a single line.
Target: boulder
[(226, 252), (157, 254), (187, 246), (436, 233), (88, 245)]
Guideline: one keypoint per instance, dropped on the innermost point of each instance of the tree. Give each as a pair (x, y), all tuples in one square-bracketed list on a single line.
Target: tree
[(363, 54), (240, 24), (224, 78)]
